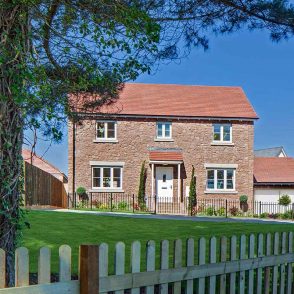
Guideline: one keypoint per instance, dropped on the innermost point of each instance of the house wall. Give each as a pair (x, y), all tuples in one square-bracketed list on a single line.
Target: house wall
[(135, 136), (272, 194)]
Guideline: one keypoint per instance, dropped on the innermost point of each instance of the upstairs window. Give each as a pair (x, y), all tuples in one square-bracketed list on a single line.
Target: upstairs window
[(220, 179), (222, 133), (164, 130), (106, 130)]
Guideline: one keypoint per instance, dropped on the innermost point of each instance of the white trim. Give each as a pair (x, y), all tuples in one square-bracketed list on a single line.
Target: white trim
[(165, 162), (215, 179), (106, 139), (222, 133), (107, 163), (163, 137), (152, 180), (221, 192), (215, 143), (220, 165), (163, 140), (179, 181), (107, 190), (100, 187)]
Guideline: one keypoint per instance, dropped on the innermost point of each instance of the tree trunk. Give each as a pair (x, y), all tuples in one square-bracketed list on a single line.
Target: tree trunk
[(10, 179), (13, 48)]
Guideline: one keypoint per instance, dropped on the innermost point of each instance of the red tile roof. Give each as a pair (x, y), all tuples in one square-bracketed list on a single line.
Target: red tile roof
[(176, 100), (165, 155), (41, 163), (274, 170)]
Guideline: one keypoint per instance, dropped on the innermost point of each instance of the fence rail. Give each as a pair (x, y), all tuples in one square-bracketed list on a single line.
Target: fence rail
[(244, 265), (166, 205)]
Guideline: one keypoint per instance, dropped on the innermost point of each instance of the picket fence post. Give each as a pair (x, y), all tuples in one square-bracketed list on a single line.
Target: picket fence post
[(89, 269)]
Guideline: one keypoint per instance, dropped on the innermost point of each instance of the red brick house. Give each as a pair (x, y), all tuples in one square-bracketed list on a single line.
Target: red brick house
[(171, 128)]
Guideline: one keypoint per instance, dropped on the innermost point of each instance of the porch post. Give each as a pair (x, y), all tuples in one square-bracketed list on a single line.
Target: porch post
[(152, 181), (179, 182)]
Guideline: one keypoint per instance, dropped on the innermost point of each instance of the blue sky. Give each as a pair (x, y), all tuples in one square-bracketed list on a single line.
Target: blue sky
[(265, 70)]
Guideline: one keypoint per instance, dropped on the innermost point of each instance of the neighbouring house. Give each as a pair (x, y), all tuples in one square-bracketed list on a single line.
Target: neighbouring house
[(171, 128), (44, 184), (273, 177), (271, 152)]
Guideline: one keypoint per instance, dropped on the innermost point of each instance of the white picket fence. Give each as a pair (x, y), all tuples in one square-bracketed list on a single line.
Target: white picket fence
[(261, 264)]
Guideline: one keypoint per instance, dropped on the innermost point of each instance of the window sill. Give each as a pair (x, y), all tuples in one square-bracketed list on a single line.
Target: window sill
[(105, 141), (220, 192), (163, 140), (98, 190), (222, 144)]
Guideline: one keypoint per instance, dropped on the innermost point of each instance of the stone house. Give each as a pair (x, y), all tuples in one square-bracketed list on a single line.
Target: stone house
[(171, 128)]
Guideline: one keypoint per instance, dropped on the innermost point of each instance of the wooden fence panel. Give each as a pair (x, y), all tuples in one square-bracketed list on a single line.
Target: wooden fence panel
[(136, 261), (21, 267), (2, 268), (164, 262), (64, 263), (95, 278), (150, 262), (289, 266), (201, 258), (42, 188), (190, 262), (44, 266)]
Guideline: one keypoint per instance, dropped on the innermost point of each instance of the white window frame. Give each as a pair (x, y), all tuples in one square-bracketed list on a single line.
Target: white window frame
[(225, 179), (111, 177), (222, 133), (106, 139), (163, 123)]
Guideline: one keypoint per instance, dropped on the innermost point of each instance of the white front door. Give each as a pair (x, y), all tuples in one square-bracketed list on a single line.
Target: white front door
[(164, 182)]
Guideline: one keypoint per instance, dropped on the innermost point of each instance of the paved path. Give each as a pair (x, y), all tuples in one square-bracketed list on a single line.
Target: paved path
[(176, 217)]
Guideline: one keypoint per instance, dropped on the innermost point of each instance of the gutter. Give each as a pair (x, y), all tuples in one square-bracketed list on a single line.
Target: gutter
[(107, 115)]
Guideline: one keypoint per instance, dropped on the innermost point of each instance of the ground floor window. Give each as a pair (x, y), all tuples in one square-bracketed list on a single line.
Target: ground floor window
[(107, 177), (220, 179)]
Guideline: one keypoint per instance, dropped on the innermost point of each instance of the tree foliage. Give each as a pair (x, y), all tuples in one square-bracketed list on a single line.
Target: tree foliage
[(192, 191), (142, 187), (54, 47)]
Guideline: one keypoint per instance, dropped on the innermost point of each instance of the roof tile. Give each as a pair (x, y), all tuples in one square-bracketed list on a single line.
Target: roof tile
[(274, 169), (175, 100)]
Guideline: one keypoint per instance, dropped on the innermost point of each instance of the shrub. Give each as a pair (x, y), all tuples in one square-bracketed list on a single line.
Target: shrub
[(264, 215), (82, 204), (210, 211), (221, 211), (287, 215), (192, 192), (285, 200), (142, 184), (234, 211), (103, 206), (243, 199), (97, 203), (123, 205)]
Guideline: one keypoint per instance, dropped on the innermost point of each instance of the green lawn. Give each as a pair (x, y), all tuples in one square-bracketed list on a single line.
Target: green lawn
[(55, 228)]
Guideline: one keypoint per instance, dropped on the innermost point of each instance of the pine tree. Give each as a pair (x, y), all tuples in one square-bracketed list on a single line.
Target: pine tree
[(141, 192), (192, 191)]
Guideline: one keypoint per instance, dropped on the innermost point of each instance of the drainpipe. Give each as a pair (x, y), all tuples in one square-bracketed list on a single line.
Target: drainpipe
[(73, 158)]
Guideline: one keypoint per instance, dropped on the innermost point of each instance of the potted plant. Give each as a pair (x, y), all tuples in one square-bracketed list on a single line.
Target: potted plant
[(244, 203), (82, 193)]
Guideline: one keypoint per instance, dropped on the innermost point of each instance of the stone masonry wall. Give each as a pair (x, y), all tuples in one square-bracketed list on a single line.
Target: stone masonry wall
[(135, 136)]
